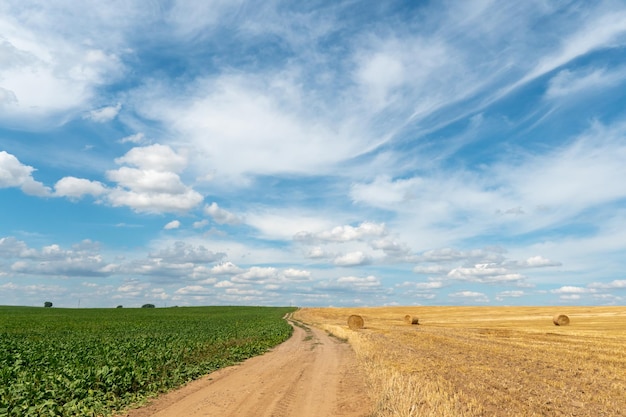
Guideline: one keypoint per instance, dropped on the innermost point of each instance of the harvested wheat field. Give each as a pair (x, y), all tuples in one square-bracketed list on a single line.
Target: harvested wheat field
[(488, 361)]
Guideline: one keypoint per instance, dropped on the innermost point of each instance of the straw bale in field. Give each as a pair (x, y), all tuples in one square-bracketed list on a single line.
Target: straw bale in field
[(409, 319), (560, 320), (355, 322)]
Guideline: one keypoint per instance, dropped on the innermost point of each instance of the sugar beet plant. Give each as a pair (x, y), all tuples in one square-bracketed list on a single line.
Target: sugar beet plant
[(91, 362)]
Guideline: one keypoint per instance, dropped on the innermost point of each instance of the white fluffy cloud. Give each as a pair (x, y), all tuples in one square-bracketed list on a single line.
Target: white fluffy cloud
[(615, 284), (484, 273), (569, 289), (512, 294), (475, 296), (257, 275), (10, 247), (76, 188), (537, 262), (297, 274), (157, 157), (345, 233), (154, 186), (220, 215), (174, 224), (226, 268), (82, 260), (353, 259), (183, 252), (15, 174), (369, 281)]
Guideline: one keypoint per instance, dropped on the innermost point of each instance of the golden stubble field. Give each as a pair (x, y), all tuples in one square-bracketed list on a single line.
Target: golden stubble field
[(487, 361)]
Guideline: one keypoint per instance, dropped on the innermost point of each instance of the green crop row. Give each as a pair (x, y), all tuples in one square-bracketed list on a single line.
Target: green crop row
[(91, 362)]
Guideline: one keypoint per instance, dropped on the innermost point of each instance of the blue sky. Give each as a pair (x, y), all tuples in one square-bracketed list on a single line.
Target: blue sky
[(312, 153)]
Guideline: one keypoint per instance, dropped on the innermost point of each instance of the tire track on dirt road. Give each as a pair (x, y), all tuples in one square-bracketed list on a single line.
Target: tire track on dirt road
[(309, 375)]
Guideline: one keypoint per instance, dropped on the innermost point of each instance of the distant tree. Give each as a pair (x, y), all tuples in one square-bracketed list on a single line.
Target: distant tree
[(147, 306), (47, 304), (120, 306)]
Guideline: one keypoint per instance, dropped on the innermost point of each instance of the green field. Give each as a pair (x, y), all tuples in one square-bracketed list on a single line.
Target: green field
[(91, 362)]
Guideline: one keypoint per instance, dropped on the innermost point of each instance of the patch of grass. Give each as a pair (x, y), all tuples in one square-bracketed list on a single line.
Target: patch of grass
[(337, 338), (87, 362)]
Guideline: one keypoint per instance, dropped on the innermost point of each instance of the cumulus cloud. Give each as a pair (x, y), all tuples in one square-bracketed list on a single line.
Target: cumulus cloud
[(319, 253), (345, 233), (82, 260), (297, 274), (537, 262), (444, 255), (131, 288), (480, 265), (76, 188), (177, 261), (431, 285), (226, 268), (14, 174), (257, 275), (474, 296), (431, 269), (484, 273), (514, 294), (194, 290), (148, 188), (157, 157), (10, 247), (349, 285), (182, 252), (200, 224), (220, 215), (569, 289), (392, 248), (353, 259), (570, 297), (29, 291), (174, 224), (615, 284), (359, 282), (154, 185)]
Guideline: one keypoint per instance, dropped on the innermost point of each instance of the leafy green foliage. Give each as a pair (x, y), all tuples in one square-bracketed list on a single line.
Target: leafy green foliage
[(91, 362)]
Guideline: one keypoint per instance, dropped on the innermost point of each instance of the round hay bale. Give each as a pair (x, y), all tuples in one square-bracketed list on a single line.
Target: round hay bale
[(355, 322), (409, 319), (560, 320)]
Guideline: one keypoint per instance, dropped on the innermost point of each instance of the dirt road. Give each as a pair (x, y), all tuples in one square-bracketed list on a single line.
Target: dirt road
[(310, 375)]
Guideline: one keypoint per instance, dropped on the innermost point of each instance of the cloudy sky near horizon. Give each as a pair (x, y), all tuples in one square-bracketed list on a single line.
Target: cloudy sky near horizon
[(315, 154)]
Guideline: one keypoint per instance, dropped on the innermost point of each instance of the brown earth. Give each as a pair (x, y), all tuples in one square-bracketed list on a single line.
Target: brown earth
[(310, 375)]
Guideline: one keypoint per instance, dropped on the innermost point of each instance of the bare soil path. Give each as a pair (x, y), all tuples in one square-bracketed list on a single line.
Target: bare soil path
[(310, 375)]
